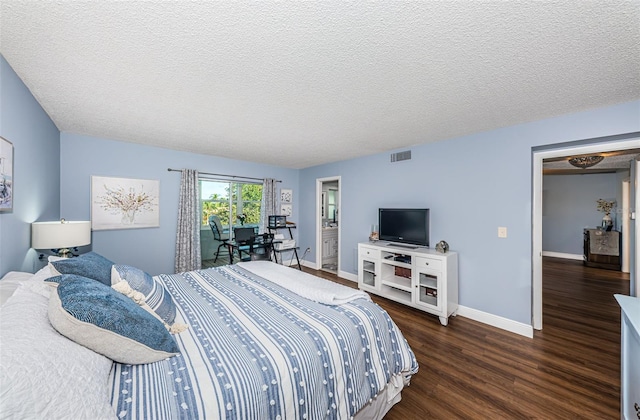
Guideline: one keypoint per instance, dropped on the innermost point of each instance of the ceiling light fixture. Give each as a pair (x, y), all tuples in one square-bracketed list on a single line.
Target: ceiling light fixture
[(585, 162)]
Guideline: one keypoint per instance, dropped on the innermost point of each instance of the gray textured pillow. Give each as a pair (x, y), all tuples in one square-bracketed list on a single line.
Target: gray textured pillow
[(156, 296), (91, 265), (100, 318)]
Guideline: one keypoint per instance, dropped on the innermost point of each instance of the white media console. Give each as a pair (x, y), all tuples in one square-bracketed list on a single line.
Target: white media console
[(415, 276)]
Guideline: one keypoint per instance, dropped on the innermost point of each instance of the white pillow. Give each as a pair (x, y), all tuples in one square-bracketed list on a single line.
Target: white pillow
[(42, 373), (42, 274), (10, 282)]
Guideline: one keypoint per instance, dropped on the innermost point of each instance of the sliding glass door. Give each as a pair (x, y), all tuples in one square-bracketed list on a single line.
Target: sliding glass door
[(235, 203)]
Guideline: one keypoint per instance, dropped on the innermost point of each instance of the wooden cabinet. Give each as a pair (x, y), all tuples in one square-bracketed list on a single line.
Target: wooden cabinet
[(602, 249), (421, 278)]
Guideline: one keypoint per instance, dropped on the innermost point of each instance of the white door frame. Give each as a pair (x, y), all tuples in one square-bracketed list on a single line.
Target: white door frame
[(634, 262), (626, 225), (536, 257), (319, 182)]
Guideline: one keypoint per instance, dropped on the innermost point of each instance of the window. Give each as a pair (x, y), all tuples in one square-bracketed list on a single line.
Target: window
[(227, 200)]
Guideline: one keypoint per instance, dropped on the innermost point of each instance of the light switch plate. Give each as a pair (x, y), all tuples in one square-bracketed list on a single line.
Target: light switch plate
[(502, 232)]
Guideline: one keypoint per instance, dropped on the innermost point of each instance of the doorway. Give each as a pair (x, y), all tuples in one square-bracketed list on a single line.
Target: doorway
[(630, 141), (328, 227)]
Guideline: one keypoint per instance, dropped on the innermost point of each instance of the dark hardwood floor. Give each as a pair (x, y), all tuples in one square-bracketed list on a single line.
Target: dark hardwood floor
[(569, 370)]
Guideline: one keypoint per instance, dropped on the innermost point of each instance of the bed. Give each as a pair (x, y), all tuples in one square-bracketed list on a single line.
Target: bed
[(258, 341)]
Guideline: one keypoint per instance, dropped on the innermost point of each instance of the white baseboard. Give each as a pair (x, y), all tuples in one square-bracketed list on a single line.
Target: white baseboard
[(342, 274), (476, 315), (505, 323), (496, 321), (562, 255), (309, 264), (348, 276)]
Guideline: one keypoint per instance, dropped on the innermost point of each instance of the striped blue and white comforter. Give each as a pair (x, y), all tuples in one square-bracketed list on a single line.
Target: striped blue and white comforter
[(255, 350)]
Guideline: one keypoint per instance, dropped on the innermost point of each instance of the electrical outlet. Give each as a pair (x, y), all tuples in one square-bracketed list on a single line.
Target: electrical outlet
[(502, 232)]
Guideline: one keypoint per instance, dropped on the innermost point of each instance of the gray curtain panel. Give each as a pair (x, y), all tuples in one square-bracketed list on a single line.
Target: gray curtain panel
[(269, 202), (188, 232)]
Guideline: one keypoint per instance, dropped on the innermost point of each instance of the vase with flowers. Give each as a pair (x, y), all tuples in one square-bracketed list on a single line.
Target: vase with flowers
[(241, 218), (606, 207)]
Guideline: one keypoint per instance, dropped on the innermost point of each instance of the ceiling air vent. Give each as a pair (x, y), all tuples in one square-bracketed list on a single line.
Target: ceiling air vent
[(397, 157)]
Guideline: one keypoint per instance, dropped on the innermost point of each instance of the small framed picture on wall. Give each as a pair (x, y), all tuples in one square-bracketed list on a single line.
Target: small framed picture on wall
[(286, 196), (6, 175), (286, 209)]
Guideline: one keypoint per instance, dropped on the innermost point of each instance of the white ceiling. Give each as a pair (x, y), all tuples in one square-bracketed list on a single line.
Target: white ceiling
[(298, 84)]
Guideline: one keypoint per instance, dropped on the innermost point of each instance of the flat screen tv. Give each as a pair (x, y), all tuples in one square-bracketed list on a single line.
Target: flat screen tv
[(404, 226)]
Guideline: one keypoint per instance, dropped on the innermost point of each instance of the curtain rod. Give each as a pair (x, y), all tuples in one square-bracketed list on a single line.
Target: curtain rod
[(224, 175)]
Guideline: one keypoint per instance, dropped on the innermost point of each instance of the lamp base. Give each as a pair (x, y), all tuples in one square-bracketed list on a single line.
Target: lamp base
[(64, 253), (60, 253)]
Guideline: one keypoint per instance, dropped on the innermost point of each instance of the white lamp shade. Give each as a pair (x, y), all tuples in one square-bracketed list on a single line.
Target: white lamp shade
[(55, 235)]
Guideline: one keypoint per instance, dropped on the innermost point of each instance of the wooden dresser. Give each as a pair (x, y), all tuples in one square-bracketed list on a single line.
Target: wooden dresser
[(602, 249)]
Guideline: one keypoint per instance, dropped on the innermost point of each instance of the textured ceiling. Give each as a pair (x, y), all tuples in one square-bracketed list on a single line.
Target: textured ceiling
[(298, 84)]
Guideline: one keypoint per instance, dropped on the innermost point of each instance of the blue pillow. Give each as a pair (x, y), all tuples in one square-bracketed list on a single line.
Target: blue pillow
[(155, 295), (107, 322), (91, 265)]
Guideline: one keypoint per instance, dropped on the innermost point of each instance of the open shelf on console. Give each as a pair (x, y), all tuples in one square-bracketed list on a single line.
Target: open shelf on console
[(398, 283), (396, 294), (396, 274), (396, 257)]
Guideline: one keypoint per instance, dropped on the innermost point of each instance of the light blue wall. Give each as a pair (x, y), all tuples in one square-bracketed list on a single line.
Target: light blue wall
[(36, 143), (569, 206), (153, 249), (472, 185)]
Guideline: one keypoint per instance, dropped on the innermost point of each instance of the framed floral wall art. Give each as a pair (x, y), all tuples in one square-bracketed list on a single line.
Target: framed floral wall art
[(124, 203), (6, 175)]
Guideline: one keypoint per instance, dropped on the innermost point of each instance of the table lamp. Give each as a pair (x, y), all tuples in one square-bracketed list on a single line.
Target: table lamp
[(60, 236)]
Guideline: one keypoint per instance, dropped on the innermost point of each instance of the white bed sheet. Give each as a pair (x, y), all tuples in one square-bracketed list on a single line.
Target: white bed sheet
[(10, 282), (44, 375)]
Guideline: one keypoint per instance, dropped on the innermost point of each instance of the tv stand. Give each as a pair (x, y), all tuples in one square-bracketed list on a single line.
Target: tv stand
[(418, 277)]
